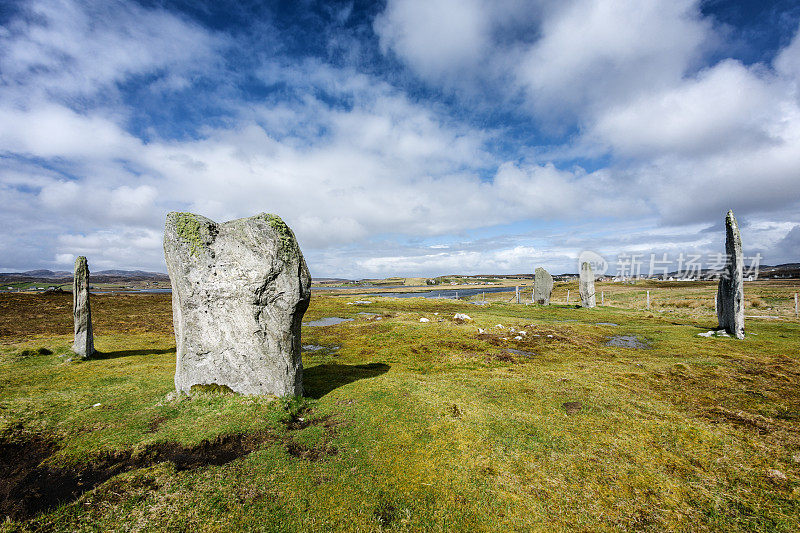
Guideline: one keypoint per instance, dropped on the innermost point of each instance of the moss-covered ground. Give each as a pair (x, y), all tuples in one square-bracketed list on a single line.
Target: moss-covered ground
[(408, 426)]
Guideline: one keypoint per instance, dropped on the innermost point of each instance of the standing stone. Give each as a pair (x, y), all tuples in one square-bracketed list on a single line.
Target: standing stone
[(239, 292), (81, 312), (542, 286), (730, 293), (586, 285)]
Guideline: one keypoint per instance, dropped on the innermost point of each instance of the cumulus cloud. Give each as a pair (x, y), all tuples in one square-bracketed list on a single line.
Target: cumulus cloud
[(593, 53), (725, 108), (50, 130), (63, 48), (437, 37), (361, 162)]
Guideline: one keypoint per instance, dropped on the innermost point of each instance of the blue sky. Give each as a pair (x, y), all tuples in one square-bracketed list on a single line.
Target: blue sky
[(417, 137)]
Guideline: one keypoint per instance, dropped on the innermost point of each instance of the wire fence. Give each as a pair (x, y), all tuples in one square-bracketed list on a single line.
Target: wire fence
[(757, 305)]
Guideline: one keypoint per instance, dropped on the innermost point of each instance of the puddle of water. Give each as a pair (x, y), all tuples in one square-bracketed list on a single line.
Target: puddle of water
[(523, 353), (327, 321), (606, 324), (317, 347), (627, 341), (444, 293)]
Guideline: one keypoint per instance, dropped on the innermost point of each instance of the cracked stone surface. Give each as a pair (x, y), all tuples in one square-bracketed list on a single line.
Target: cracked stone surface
[(239, 292)]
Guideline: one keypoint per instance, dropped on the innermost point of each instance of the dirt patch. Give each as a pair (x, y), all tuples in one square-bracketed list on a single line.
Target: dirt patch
[(572, 407), (310, 453), (29, 486), (155, 423)]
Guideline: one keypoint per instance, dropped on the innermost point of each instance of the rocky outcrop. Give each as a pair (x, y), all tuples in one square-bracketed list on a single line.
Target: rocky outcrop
[(542, 286), (730, 293), (81, 312), (586, 285), (239, 292)]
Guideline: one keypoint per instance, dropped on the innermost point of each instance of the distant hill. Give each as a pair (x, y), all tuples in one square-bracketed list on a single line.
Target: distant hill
[(101, 276)]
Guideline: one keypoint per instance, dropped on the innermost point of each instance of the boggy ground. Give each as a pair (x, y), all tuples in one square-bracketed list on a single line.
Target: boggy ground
[(406, 426)]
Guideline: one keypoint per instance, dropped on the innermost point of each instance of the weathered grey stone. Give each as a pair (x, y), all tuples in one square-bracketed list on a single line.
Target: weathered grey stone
[(586, 285), (542, 286), (81, 312), (239, 292), (730, 293)]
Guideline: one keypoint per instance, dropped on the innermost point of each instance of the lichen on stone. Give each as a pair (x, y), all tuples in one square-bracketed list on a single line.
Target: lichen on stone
[(287, 240), (191, 231)]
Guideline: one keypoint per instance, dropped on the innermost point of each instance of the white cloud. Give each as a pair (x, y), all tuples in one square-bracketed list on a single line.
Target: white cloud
[(727, 107), (110, 248), (52, 130), (351, 162), (437, 37), (66, 48), (65, 259), (596, 52)]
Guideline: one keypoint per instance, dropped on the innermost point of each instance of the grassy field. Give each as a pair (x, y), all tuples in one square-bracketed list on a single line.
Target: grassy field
[(409, 426)]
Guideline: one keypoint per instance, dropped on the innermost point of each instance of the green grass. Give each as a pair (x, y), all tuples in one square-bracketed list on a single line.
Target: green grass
[(413, 426)]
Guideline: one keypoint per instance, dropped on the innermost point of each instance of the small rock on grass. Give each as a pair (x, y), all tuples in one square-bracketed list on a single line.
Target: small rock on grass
[(776, 475), (423, 319), (461, 317), (713, 333)]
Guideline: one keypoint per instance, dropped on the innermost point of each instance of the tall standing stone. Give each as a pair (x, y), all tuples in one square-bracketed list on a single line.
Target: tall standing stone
[(730, 293), (239, 292), (542, 286), (586, 285), (81, 312)]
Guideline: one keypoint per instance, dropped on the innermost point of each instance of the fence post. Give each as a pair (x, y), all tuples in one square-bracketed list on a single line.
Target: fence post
[(648, 299), (517, 291), (795, 306), (567, 295), (602, 297)]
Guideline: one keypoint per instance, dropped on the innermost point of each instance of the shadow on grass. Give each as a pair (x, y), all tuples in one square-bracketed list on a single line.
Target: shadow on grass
[(322, 379), (130, 353)]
